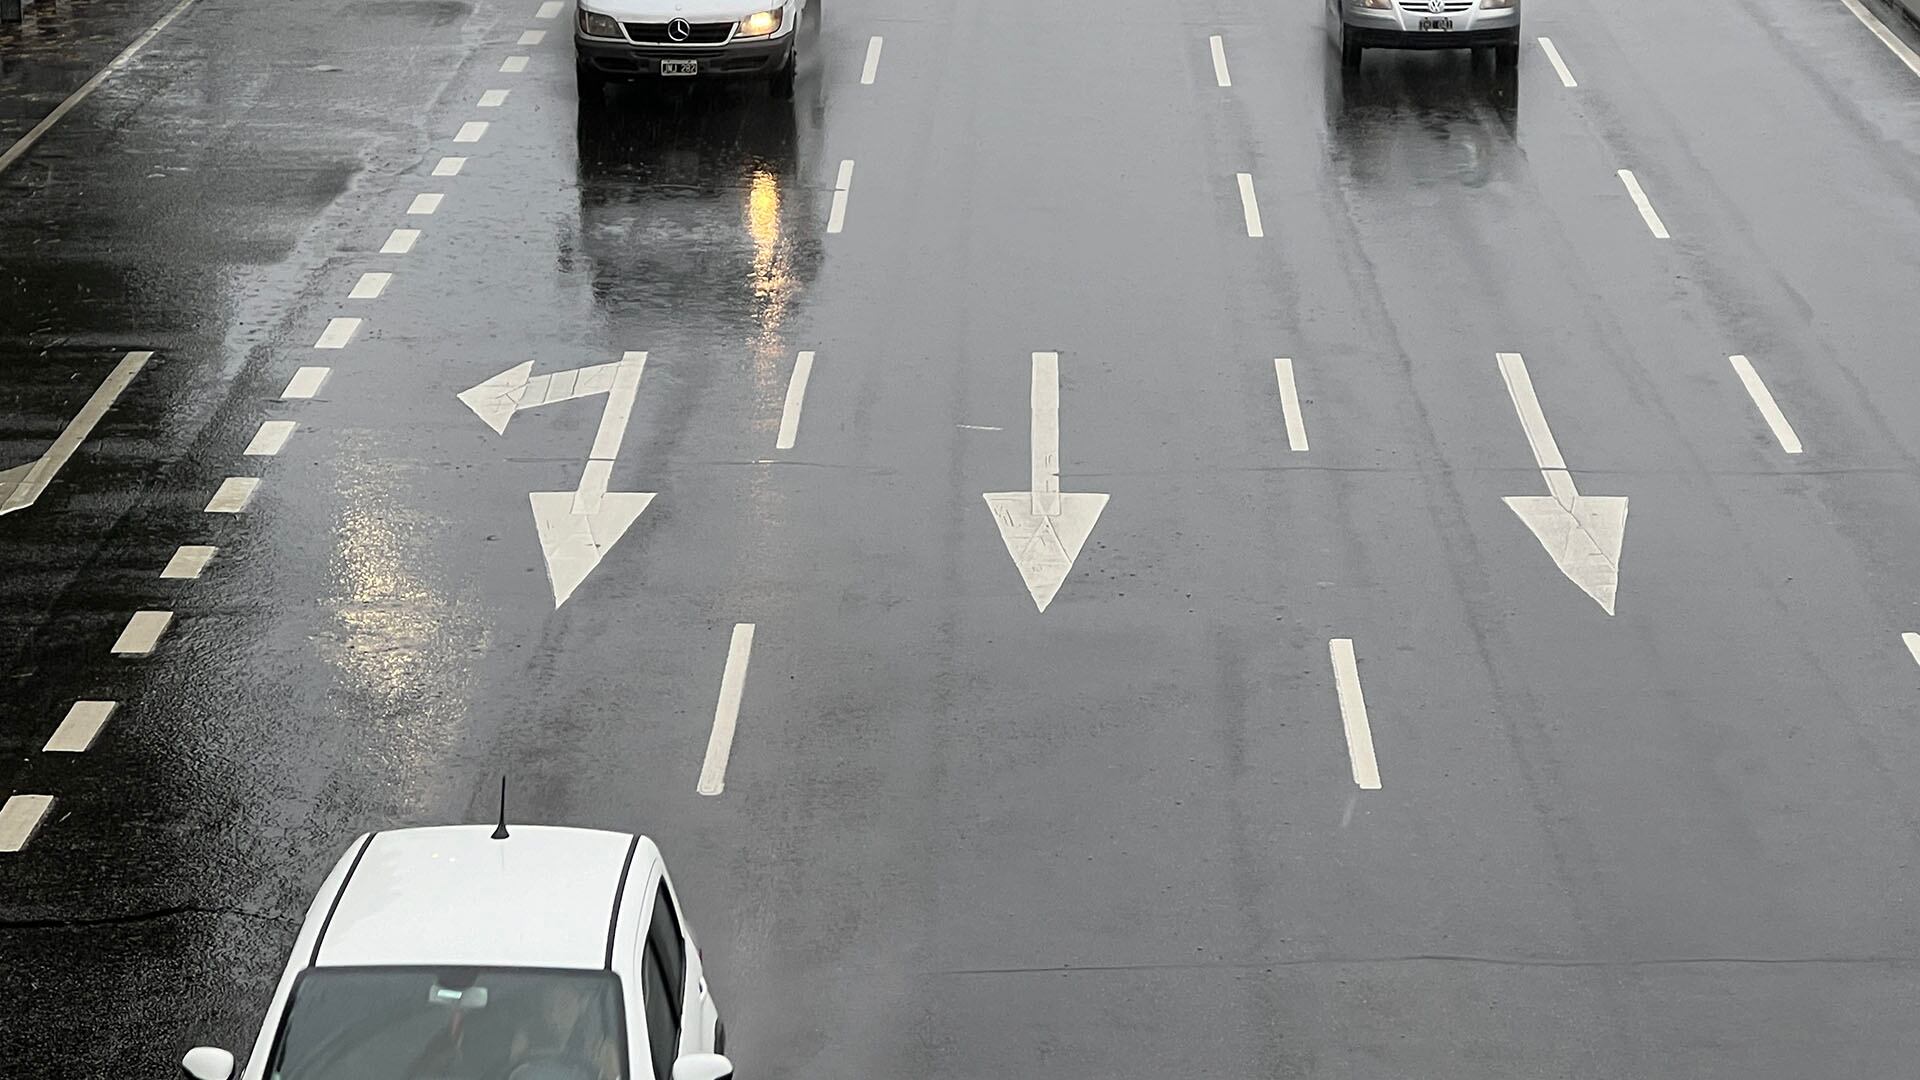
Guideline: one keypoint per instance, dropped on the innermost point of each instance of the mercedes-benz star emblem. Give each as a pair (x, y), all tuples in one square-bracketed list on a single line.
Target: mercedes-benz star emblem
[(681, 30)]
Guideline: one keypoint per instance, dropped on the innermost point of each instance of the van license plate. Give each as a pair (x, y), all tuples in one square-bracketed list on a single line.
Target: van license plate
[(1436, 24), (679, 67)]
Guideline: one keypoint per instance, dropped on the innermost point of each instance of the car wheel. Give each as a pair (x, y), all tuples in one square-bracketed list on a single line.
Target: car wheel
[(1506, 57), (593, 86), (1349, 51), (719, 1037), (781, 84)]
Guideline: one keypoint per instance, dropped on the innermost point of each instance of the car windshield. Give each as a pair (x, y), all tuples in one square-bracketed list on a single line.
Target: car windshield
[(459, 1024)]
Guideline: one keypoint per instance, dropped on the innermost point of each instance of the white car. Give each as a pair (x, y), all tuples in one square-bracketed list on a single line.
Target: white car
[(635, 40), (448, 954)]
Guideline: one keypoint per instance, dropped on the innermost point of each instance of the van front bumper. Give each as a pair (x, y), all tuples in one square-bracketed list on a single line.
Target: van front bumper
[(624, 60)]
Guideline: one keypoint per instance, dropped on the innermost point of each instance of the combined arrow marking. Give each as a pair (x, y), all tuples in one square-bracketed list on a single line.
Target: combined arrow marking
[(1582, 533), (1043, 528), (577, 528)]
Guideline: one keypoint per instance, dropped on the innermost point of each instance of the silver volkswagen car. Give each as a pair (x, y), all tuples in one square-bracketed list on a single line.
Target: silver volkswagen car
[(1425, 24)]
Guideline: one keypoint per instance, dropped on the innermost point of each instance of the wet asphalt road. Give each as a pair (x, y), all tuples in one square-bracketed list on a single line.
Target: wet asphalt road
[(961, 837)]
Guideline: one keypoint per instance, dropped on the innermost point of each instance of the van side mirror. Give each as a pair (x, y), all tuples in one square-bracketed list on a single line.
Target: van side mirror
[(703, 1067), (207, 1063)]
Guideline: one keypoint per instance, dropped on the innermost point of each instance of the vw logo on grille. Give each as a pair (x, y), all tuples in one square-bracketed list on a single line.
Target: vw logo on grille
[(681, 30), (1436, 6)]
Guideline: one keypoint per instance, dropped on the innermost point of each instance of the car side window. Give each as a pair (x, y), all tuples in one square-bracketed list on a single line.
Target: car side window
[(664, 938), (663, 1014)]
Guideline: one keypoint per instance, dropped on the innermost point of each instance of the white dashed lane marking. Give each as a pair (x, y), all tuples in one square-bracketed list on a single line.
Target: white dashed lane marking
[(549, 10), (337, 333), (1290, 405), (82, 725), (270, 439), (532, 37), (20, 818), (400, 241), (871, 70), (234, 495), (1912, 641), (188, 562), (471, 131), (305, 383), (513, 65), (1353, 714), (1250, 206), (1646, 206), (450, 166), (1763, 400), (425, 203), (837, 217), (1220, 74), (796, 397), (733, 686), (493, 99), (370, 286), (1559, 65), (142, 633)]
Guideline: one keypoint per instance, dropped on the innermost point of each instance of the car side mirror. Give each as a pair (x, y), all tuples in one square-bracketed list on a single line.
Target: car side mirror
[(703, 1067), (207, 1063)]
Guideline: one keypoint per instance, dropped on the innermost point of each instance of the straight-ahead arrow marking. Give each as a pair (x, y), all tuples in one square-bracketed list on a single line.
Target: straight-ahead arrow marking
[(577, 528), (1583, 533), (1043, 528), (22, 485)]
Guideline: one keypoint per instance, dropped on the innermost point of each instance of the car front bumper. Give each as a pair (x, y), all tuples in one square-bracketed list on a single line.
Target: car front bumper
[(1399, 27), (625, 60)]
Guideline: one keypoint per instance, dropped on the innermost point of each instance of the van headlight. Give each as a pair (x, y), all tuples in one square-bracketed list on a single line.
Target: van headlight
[(760, 23), (1498, 3), (594, 24)]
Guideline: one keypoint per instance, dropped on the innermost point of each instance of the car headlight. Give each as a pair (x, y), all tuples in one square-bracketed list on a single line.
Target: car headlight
[(760, 23), (594, 24), (1498, 3), (1377, 3)]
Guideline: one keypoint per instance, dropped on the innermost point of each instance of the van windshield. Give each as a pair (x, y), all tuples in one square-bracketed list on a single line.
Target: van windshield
[(451, 1024)]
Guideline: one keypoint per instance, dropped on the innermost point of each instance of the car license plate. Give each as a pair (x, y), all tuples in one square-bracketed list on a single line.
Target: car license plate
[(1436, 24), (679, 67)]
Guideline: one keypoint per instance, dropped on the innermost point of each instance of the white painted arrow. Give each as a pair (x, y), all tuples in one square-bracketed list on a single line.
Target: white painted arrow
[(1583, 533), (1043, 528), (22, 485), (577, 528)]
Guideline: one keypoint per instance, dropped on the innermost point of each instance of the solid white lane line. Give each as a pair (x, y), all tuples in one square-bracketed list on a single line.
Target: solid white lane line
[(449, 166), (1546, 452), (1887, 37), (837, 218), (20, 817), (142, 633), (425, 203), (872, 68), (532, 37), (188, 562), (1220, 74), (337, 333), (400, 241), (25, 142), (1913, 645), (514, 65), (1763, 400), (1559, 65), (1250, 206), (471, 131), (549, 10), (796, 396), (305, 383), (1290, 405), (493, 99), (234, 495), (733, 685), (1353, 714), (270, 439), (370, 286), (82, 725), (35, 477), (1646, 207)]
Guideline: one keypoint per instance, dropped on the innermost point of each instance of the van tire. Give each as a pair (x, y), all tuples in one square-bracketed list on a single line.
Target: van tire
[(1506, 57), (1349, 51)]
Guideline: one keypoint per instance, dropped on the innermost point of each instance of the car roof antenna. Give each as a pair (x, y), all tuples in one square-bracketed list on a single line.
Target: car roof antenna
[(500, 830)]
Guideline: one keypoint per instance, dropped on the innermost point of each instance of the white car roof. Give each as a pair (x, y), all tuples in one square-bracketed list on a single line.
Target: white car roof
[(452, 896)]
